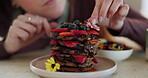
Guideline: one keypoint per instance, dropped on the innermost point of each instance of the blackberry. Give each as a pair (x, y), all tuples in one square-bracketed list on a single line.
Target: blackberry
[(64, 25), (75, 28), (77, 22), (83, 27), (72, 26), (87, 28)]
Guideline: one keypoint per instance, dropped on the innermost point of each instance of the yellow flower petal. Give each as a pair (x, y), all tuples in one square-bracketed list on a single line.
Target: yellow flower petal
[(54, 69), (48, 60), (48, 69), (57, 65), (52, 60), (49, 63)]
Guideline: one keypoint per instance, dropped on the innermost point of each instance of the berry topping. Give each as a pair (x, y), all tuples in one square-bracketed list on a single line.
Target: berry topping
[(76, 25), (64, 25), (92, 32), (95, 60), (95, 41), (66, 34), (53, 42), (53, 53), (70, 43), (88, 24), (80, 59), (79, 32), (77, 22), (60, 30), (83, 27)]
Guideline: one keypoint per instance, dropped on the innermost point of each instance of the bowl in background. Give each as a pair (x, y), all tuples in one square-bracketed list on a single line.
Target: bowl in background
[(114, 51), (117, 55)]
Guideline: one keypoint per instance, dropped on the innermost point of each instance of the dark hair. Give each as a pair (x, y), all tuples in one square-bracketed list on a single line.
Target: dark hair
[(5, 14)]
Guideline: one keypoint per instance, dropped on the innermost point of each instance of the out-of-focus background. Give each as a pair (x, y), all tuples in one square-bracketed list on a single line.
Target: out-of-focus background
[(139, 5)]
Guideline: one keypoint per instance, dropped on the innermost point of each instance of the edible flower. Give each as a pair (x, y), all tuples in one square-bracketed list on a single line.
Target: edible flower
[(88, 24), (50, 65)]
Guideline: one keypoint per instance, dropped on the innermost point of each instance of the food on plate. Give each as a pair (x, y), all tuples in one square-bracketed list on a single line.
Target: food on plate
[(73, 47)]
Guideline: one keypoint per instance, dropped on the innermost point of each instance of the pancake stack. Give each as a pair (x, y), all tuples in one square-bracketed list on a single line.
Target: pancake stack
[(73, 47)]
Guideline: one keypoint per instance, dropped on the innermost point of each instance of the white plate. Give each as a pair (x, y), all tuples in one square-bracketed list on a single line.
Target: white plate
[(105, 68)]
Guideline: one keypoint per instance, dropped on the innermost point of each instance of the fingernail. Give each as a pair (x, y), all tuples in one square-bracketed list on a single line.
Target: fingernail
[(109, 16), (94, 21), (100, 19)]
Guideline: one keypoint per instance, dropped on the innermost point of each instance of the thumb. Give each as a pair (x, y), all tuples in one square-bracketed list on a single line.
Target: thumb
[(122, 12), (117, 20)]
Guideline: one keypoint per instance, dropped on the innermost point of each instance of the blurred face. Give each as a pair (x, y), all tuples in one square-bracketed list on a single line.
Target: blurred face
[(49, 9)]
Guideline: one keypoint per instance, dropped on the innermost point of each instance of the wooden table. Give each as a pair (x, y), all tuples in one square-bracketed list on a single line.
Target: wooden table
[(18, 66)]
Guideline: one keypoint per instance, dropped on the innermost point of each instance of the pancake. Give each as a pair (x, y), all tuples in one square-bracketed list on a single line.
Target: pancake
[(76, 69), (73, 46)]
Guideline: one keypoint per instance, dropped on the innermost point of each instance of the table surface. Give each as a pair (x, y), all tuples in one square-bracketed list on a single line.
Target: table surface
[(18, 66)]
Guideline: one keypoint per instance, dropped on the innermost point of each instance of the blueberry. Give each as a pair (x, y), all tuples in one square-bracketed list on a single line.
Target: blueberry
[(75, 28), (77, 22), (64, 25), (70, 25), (83, 27)]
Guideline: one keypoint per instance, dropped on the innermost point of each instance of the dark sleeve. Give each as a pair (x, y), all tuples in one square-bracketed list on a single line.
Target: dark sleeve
[(135, 29), (134, 14), (3, 53)]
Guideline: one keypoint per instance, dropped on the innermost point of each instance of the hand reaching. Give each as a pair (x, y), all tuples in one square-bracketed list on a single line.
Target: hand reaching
[(109, 13)]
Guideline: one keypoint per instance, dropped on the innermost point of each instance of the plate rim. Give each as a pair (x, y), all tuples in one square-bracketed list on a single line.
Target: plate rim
[(113, 69)]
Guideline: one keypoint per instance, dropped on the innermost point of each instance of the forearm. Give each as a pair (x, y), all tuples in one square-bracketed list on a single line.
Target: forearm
[(135, 29)]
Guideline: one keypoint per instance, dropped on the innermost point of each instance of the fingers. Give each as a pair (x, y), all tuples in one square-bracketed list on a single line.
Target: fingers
[(47, 27), (94, 15), (118, 18), (123, 11), (34, 24), (105, 8), (19, 33), (37, 21), (26, 27), (114, 7), (34, 20), (42, 24)]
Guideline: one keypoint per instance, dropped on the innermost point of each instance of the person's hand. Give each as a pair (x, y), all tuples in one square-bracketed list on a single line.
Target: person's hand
[(109, 13), (25, 30)]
